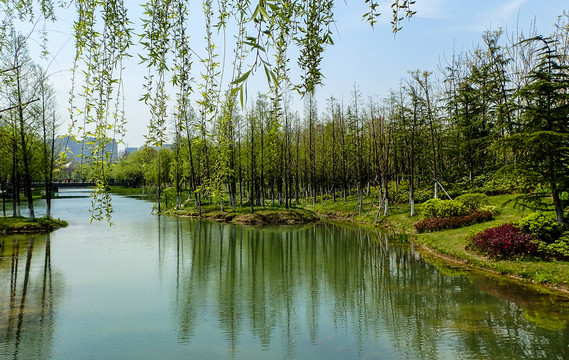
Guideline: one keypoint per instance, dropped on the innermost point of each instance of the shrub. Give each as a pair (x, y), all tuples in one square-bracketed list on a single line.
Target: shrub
[(473, 201), (500, 185), (540, 225), (505, 242), (559, 249), (429, 207), (423, 194), (443, 208), (490, 208), (438, 223), (401, 195)]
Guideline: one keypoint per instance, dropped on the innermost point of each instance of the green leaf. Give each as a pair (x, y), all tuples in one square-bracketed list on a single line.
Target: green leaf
[(242, 78), (263, 12)]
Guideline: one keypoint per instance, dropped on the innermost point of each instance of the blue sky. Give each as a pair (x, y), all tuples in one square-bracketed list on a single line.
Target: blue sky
[(376, 61), (372, 59)]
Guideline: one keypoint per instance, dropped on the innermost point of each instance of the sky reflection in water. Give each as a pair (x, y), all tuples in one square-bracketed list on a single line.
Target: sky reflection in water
[(152, 287)]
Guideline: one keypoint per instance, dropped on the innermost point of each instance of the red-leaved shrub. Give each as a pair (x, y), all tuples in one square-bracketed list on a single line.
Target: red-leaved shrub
[(438, 223), (504, 242)]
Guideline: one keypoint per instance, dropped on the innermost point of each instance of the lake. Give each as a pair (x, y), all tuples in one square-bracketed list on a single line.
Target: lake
[(155, 287)]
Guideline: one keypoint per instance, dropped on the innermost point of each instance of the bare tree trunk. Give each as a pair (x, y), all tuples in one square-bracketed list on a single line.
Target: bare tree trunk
[(25, 156), (4, 194)]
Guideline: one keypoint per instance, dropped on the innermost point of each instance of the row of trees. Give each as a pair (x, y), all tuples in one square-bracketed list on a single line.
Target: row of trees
[(498, 112), (263, 35), (27, 126), (499, 109)]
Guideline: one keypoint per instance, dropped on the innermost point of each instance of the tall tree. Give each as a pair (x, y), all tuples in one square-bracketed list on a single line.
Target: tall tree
[(542, 144), (21, 93), (45, 113)]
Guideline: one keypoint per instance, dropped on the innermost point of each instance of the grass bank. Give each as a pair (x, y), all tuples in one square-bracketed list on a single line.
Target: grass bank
[(22, 225), (132, 191), (449, 246)]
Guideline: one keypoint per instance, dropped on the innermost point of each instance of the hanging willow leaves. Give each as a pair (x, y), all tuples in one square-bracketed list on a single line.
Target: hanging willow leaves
[(156, 41), (224, 171), (314, 34), (266, 29), (103, 37), (182, 81)]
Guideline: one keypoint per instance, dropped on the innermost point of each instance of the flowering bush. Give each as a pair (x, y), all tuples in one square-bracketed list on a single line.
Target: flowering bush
[(505, 242), (438, 223)]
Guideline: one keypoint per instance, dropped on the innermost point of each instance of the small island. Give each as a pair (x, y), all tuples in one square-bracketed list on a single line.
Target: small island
[(267, 216), (22, 225)]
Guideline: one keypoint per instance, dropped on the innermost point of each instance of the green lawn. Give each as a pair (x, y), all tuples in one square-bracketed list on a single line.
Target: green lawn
[(453, 243)]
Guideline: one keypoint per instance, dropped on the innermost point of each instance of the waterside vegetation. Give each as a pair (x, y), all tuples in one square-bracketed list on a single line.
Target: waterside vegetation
[(451, 246), (23, 225), (497, 123)]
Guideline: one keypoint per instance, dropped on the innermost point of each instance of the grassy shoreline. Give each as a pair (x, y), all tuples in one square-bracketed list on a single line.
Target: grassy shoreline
[(22, 225), (448, 246)]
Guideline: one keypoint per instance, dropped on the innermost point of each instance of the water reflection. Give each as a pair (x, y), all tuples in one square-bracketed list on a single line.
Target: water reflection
[(27, 308), (344, 293), (163, 288)]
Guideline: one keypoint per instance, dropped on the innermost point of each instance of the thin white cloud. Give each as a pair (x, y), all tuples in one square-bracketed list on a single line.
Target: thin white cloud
[(506, 10), (495, 16), (470, 15), (434, 9)]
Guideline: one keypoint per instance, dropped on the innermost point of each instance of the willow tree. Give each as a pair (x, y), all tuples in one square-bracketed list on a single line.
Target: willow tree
[(103, 35), (102, 41), (225, 171)]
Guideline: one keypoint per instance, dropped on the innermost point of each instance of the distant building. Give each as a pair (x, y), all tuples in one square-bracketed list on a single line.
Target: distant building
[(76, 149)]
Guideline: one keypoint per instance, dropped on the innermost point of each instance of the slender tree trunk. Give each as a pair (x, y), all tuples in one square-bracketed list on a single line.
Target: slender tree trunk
[(333, 147), (558, 206), (193, 179), (559, 211), (25, 155), (261, 184), (360, 199), (159, 182), (252, 180), (49, 182), (15, 179), (25, 152), (4, 194)]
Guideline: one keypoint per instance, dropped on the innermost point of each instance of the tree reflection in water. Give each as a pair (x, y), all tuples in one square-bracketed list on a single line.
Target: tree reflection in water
[(344, 292), (28, 309)]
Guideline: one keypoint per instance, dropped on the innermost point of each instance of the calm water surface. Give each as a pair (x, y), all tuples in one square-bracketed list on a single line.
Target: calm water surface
[(152, 287)]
